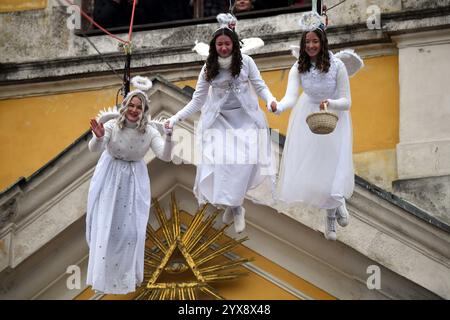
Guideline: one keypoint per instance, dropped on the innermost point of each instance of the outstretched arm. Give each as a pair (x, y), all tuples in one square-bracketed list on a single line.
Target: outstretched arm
[(196, 103), (162, 147), (344, 100), (258, 83), (292, 90)]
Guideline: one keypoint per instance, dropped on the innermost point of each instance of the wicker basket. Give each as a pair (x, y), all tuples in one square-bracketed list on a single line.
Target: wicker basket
[(322, 122)]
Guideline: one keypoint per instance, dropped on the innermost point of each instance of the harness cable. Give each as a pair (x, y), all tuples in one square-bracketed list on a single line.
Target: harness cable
[(105, 62), (127, 44), (127, 48), (325, 10)]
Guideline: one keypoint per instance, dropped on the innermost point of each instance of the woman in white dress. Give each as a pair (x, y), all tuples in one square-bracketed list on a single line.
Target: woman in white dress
[(317, 169), (232, 133), (119, 196)]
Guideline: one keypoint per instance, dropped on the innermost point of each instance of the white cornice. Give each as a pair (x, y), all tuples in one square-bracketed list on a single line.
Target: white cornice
[(172, 73), (422, 39)]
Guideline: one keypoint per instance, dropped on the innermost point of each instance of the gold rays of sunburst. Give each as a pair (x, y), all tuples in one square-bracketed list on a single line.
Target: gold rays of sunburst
[(198, 249)]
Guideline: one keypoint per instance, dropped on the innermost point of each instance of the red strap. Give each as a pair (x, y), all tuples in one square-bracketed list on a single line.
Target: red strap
[(103, 29), (130, 33)]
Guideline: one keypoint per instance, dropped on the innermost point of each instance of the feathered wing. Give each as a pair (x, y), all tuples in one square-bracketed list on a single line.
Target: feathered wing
[(107, 114), (249, 44), (202, 49), (158, 124), (295, 50), (113, 113), (353, 63)]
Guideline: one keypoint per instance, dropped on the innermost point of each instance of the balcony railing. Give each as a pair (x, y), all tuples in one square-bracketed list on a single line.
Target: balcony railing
[(150, 16)]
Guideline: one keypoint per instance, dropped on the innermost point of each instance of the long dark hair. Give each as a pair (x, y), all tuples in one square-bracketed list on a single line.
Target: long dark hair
[(212, 62), (323, 57)]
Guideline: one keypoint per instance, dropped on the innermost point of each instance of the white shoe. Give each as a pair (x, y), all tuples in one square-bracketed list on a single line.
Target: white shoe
[(342, 216), (239, 219), (227, 216), (330, 227)]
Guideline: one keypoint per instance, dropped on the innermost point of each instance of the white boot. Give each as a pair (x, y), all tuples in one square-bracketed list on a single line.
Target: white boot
[(239, 219), (342, 215), (227, 216), (330, 225)]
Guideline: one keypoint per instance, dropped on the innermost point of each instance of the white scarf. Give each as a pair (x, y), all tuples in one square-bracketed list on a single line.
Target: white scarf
[(225, 63), (132, 125)]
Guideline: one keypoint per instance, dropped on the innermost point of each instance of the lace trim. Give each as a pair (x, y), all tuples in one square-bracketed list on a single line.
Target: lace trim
[(318, 85)]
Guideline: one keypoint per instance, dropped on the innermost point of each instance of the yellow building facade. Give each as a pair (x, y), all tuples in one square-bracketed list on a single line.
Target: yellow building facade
[(34, 130), (44, 129)]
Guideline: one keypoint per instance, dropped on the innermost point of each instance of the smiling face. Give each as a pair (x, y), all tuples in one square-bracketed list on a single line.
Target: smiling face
[(224, 46), (312, 45), (242, 5), (134, 110)]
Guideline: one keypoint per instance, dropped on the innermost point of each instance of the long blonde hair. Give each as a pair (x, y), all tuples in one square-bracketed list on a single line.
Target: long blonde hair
[(142, 125)]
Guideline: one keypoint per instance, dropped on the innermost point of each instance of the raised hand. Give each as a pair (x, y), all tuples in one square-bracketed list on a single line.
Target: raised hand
[(97, 128)]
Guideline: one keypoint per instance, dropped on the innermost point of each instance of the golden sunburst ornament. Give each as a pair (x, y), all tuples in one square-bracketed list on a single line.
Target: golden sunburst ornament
[(182, 263)]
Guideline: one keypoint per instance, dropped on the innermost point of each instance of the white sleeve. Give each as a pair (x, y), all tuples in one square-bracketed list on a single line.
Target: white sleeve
[(99, 144), (258, 83), (344, 101), (161, 147), (198, 99), (292, 90)]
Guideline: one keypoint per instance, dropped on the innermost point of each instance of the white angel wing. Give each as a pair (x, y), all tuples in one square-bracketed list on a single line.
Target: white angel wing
[(295, 50), (353, 63), (107, 114), (201, 48), (249, 44)]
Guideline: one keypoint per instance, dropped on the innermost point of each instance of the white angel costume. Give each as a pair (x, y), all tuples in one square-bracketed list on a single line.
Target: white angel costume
[(318, 169), (118, 205), (232, 135)]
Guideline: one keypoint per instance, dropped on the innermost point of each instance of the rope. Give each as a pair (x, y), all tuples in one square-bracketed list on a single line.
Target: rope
[(99, 26), (130, 33), (325, 10), (328, 9), (100, 54), (127, 75), (127, 46)]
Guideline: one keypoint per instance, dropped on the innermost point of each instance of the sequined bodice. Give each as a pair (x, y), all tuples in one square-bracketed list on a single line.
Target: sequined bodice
[(319, 85)]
